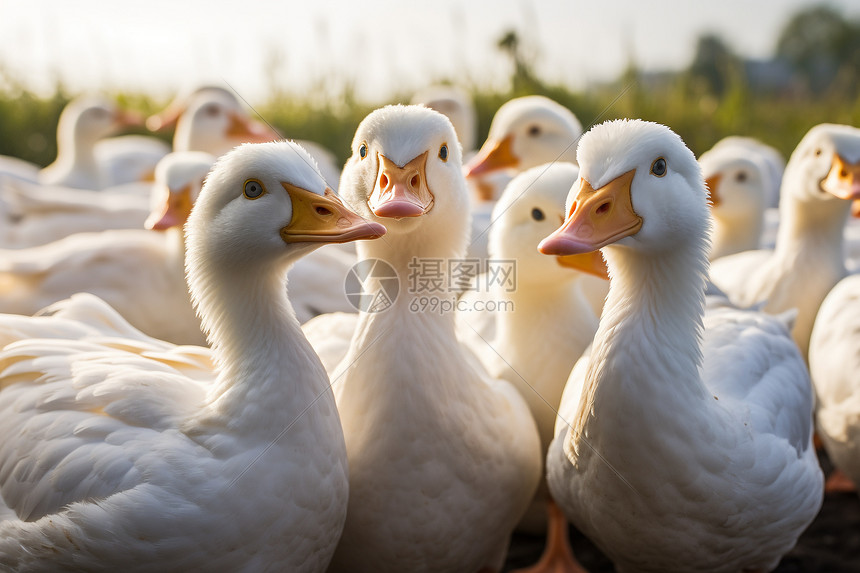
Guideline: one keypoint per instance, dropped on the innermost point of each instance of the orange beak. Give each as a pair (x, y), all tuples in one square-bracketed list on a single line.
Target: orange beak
[(590, 263), (248, 131), (325, 219), (843, 179), (711, 183), (597, 218), (173, 212), (401, 191), (494, 155)]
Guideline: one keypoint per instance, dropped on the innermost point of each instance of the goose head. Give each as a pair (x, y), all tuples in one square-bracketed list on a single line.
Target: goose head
[(639, 188), (825, 165), (531, 207), (526, 132), (456, 106), (736, 184), (406, 172), (212, 120), (86, 120), (262, 207), (178, 179)]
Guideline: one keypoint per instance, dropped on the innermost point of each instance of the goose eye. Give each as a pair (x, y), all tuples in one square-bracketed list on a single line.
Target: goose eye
[(818, 151), (658, 168), (534, 130), (741, 177), (443, 152), (211, 110), (362, 150), (538, 215), (253, 189)]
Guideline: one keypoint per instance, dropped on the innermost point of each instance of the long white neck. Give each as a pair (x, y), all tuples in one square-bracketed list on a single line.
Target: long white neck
[(648, 346), (736, 232), (812, 230), (268, 372), (77, 153)]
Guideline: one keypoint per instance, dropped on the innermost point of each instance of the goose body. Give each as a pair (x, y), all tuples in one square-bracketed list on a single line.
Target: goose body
[(139, 272), (684, 439), (121, 452), (821, 178), (834, 358), (426, 428), (33, 214)]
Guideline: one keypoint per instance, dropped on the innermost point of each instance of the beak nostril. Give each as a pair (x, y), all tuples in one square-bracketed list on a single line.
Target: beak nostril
[(323, 211), (843, 173), (603, 208), (383, 180), (415, 181)]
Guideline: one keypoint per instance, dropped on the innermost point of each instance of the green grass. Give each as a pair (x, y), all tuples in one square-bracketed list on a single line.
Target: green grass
[(28, 123)]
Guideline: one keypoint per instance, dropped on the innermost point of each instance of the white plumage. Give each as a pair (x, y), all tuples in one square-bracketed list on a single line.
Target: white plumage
[(684, 441), (818, 185), (443, 459), (120, 451)]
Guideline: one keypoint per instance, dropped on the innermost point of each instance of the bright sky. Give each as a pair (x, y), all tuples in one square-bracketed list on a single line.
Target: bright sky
[(160, 46)]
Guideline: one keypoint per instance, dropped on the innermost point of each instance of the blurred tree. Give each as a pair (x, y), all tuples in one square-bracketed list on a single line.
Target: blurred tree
[(714, 66), (824, 49), (523, 80)]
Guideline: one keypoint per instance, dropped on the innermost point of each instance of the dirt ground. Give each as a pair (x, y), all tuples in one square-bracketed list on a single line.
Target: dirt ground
[(831, 544)]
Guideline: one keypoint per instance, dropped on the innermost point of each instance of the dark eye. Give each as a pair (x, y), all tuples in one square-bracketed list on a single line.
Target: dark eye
[(534, 130), (658, 168), (362, 150), (443, 152), (253, 189), (818, 151), (741, 176), (538, 215), (211, 110)]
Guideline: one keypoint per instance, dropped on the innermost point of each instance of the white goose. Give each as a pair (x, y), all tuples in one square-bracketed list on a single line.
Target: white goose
[(500, 316), (684, 441), (834, 362), (84, 122), (131, 456), (211, 119), (736, 186), (138, 272), (819, 183), (525, 132), (457, 106), (426, 428)]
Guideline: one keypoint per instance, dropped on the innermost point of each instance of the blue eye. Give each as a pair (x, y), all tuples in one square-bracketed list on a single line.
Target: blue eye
[(538, 215), (658, 168), (443, 152), (253, 189), (362, 150)]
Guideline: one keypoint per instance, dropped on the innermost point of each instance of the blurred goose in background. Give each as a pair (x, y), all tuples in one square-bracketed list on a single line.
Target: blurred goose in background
[(821, 179), (85, 160), (212, 119), (771, 160), (457, 106), (136, 452), (500, 321), (32, 214), (684, 438), (138, 272), (736, 187), (834, 362), (525, 132), (443, 459)]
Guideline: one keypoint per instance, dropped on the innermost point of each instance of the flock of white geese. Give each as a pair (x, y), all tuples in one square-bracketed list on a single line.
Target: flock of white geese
[(167, 404)]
